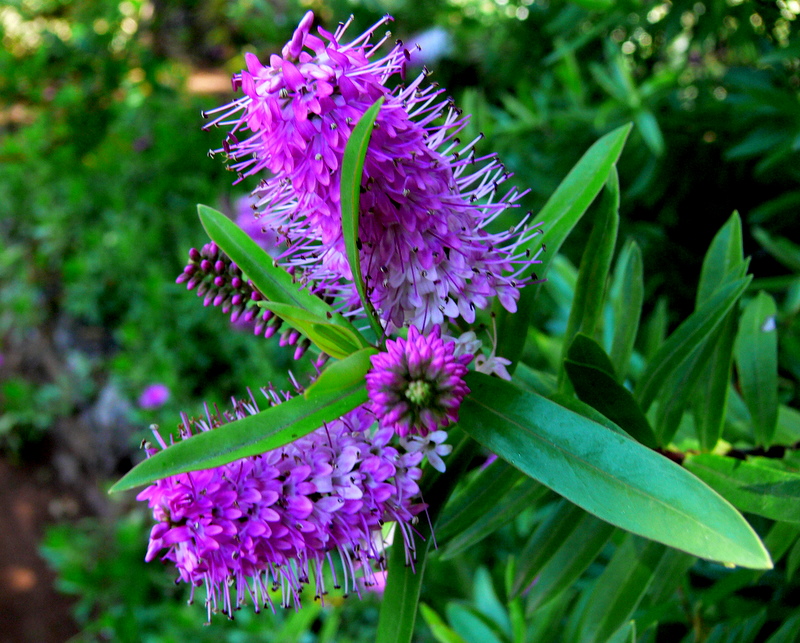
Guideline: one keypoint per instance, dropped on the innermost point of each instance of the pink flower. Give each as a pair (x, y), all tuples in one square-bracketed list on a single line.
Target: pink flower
[(154, 396), (417, 385), (427, 200), (277, 519)]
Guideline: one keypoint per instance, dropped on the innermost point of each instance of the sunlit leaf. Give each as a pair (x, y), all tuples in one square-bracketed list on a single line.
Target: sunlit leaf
[(256, 434), (559, 216), (607, 473)]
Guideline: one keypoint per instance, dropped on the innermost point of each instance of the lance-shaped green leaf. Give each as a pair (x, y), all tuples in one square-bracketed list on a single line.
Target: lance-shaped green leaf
[(753, 485), (576, 192), (350, 189), (558, 552), (404, 578), (782, 249), (617, 592), (680, 386), (625, 634), (626, 296), (256, 434), (656, 329), (271, 280), (560, 214), (594, 380), (788, 632), (757, 365), (668, 578), (711, 390), (723, 263), (341, 375), (590, 289), (495, 497), (470, 625), (607, 474), (680, 346), (440, 630), (333, 339)]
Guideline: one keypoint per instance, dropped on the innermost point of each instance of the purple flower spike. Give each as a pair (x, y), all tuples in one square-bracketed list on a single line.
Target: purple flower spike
[(275, 521), (417, 385), (427, 199)]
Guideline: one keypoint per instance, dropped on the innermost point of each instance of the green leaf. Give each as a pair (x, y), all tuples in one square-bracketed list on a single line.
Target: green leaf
[(587, 306), (593, 378), (679, 347), (469, 625), (793, 561), (724, 262), (486, 601), (753, 485), (558, 558), (679, 388), (710, 402), (341, 375), (441, 632), (789, 632), (337, 341), (606, 473), (625, 634), (656, 329), (757, 365), (626, 296), (648, 127), (669, 576), (404, 581), (559, 216), (617, 592), (495, 497), (256, 434), (782, 249), (547, 626), (350, 189), (271, 280), (788, 425)]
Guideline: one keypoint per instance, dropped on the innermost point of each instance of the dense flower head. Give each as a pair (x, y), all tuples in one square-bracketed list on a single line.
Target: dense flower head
[(426, 201), (272, 522), (417, 385)]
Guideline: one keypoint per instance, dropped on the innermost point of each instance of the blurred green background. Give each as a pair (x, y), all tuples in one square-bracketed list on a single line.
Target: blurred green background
[(102, 162)]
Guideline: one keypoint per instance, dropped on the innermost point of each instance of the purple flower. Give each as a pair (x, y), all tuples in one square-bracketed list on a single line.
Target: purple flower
[(275, 520), (432, 446), (220, 282), (247, 220), (417, 385), (154, 396), (427, 200)]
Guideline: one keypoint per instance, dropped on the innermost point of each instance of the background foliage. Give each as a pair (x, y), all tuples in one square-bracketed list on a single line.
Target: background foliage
[(102, 162)]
